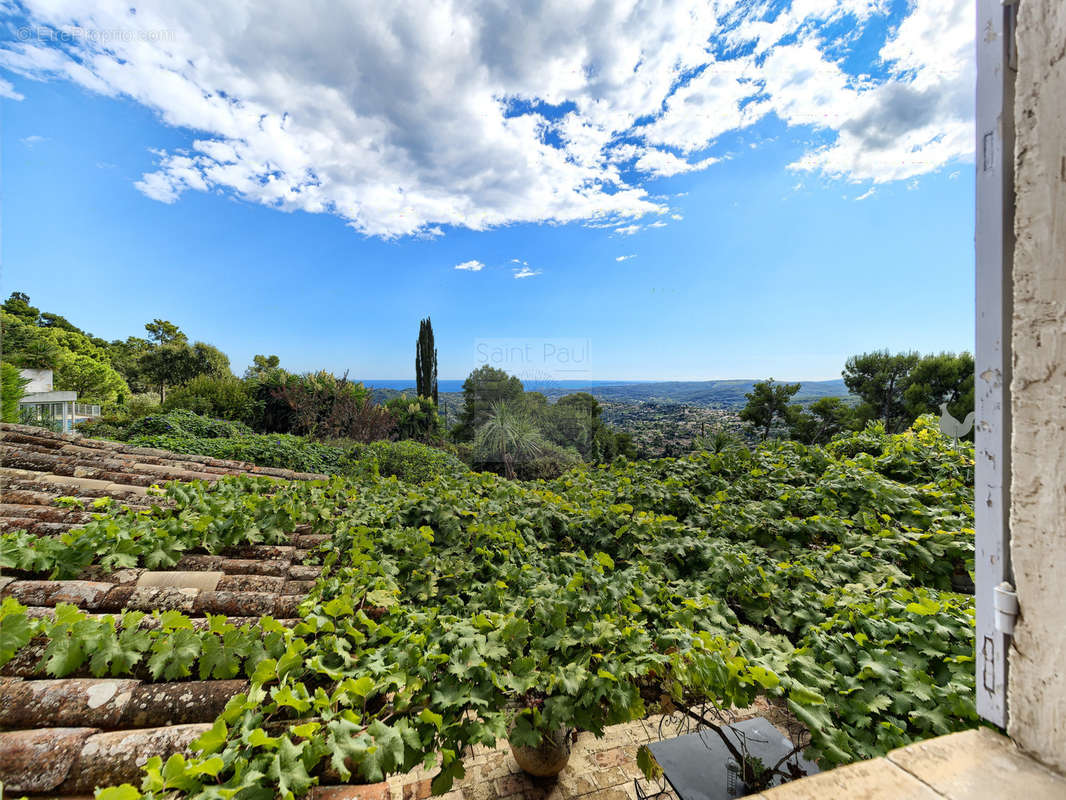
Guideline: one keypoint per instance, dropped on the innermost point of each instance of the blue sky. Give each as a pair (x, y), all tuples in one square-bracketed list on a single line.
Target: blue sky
[(824, 212)]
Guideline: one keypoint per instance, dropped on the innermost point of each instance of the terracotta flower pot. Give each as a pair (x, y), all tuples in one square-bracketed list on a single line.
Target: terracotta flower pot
[(548, 758)]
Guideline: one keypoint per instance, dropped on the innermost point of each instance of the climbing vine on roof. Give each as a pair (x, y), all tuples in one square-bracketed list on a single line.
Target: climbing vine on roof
[(471, 609)]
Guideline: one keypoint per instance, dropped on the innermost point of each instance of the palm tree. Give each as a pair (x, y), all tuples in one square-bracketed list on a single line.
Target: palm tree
[(507, 437), (718, 441)]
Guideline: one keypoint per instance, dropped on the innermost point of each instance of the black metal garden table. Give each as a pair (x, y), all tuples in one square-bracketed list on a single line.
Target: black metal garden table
[(699, 767)]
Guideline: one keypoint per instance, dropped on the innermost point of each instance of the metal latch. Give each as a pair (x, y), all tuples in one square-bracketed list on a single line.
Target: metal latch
[(1005, 601)]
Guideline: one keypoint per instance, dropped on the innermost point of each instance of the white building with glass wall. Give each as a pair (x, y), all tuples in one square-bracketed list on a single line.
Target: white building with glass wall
[(41, 404)]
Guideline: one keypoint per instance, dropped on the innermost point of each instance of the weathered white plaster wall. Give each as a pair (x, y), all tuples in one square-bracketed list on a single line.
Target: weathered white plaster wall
[(1037, 679)]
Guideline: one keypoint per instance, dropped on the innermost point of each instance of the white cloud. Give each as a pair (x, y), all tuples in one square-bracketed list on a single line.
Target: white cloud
[(526, 272), (708, 106), (954, 176), (406, 118), (627, 230), (676, 216), (625, 258), (657, 224), (919, 119), (8, 90), (662, 164), (471, 266), (868, 193), (30, 141)]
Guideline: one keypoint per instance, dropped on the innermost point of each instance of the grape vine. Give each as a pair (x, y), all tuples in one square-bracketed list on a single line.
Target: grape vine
[(471, 609)]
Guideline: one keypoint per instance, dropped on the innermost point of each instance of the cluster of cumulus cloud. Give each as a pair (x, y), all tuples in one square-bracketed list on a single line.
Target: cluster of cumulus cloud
[(404, 117)]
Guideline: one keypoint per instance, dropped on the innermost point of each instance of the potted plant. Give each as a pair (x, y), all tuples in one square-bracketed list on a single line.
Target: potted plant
[(540, 748)]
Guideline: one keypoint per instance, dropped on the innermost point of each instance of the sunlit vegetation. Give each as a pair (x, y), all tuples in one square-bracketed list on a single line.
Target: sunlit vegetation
[(470, 608)]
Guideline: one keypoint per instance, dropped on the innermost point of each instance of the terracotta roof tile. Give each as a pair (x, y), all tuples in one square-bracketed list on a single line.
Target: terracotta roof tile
[(115, 757), (77, 733), (40, 760)]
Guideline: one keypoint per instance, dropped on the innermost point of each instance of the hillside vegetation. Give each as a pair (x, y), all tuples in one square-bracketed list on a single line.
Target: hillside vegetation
[(472, 608), (716, 394)]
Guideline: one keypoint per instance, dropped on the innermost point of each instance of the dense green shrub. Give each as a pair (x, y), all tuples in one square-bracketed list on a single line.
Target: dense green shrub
[(221, 397), (181, 422), (270, 413), (551, 462), (141, 405), (416, 418), (407, 460)]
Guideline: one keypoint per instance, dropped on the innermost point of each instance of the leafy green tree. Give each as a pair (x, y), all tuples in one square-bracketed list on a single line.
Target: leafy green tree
[(426, 362), (91, 379), (77, 342), (18, 305), (820, 421), (508, 437), (126, 358), (171, 361), (163, 332), (169, 364), (62, 323), (261, 365), (880, 380), (221, 397), (767, 403), (11, 391), (571, 422), (27, 345), (209, 360), (574, 421), (624, 446), (536, 403), (271, 412), (583, 402), (942, 378), (485, 387)]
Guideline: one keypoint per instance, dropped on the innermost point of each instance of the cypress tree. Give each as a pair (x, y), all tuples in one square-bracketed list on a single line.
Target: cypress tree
[(426, 361)]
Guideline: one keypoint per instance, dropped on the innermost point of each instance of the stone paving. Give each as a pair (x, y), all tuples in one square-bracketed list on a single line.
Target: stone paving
[(599, 769)]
